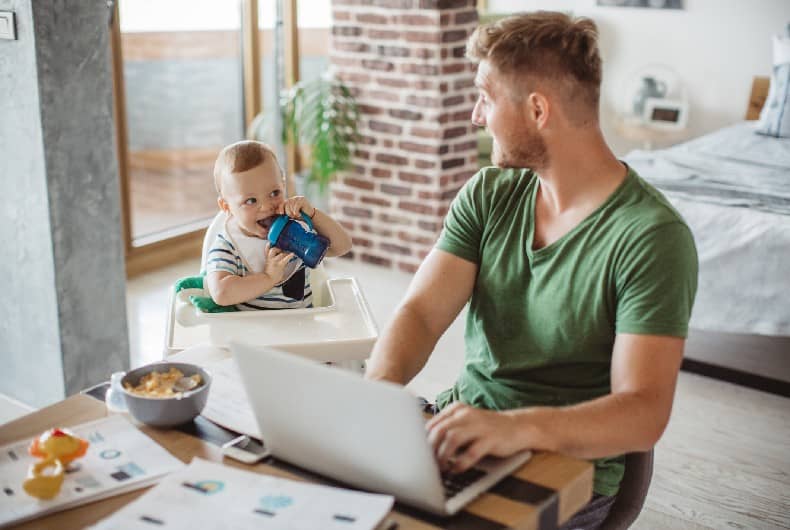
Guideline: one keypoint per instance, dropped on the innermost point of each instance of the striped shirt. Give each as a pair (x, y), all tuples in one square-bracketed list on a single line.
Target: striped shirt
[(226, 255)]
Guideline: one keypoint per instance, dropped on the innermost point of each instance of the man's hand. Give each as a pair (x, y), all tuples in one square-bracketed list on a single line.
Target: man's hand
[(461, 435), (644, 372), (293, 205), (276, 261)]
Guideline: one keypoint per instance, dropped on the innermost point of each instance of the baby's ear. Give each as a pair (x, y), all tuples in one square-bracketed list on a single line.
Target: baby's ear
[(223, 204)]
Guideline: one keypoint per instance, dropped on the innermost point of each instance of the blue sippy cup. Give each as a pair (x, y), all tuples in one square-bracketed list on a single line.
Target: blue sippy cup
[(287, 234)]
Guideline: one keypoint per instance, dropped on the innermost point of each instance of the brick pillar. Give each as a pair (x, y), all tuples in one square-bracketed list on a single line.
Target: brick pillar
[(404, 62)]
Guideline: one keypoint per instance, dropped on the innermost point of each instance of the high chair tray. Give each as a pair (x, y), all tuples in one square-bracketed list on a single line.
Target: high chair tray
[(343, 329)]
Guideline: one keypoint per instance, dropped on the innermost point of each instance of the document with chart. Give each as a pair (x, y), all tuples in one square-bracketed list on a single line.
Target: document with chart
[(119, 458), (207, 495), (227, 403)]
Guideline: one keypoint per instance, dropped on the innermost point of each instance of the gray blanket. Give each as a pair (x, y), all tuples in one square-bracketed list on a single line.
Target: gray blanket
[(715, 179)]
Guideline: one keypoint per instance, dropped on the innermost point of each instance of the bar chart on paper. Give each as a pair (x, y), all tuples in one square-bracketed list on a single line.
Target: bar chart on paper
[(210, 495)]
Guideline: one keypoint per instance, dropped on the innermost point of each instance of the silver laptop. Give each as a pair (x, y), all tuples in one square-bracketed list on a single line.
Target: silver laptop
[(367, 434)]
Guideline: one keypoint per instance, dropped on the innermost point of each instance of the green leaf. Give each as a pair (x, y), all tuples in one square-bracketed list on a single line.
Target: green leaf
[(322, 114)]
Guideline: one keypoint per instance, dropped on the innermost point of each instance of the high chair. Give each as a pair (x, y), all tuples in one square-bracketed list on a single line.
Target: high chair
[(339, 328)]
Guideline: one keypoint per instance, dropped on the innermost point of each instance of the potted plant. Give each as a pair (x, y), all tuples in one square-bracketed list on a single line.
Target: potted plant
[(320, 116)]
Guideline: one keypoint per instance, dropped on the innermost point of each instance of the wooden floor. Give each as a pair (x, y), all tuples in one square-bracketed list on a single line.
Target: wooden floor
[(723, 462), (169, 189)]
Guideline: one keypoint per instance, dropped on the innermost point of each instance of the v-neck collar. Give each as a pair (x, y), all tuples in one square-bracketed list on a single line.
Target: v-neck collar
[(550, 248)]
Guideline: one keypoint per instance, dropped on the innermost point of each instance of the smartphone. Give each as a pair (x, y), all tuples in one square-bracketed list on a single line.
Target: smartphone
[(245, 449)]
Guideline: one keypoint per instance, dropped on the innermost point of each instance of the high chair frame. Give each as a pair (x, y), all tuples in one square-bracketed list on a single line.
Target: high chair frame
[(340, 328)]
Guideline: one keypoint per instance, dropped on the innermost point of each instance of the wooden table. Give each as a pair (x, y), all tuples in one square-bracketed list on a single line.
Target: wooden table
[(546, 491)]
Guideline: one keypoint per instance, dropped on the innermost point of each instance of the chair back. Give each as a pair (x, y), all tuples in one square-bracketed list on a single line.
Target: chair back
[(633, 491), (217, 224)]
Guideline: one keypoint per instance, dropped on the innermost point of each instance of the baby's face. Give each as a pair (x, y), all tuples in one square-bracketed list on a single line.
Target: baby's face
[(253, 196)]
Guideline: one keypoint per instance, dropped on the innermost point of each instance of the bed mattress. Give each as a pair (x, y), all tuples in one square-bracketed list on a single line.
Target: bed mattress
[(733, 189)]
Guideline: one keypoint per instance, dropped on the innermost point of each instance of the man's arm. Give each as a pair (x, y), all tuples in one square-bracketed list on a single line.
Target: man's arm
[(631, 418), (438, 292)]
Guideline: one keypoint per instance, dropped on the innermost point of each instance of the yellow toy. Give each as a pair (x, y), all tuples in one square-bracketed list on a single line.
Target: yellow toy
[(58, 447)]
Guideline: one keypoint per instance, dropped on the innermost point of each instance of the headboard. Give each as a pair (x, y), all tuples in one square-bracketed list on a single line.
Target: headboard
[(757, 97)]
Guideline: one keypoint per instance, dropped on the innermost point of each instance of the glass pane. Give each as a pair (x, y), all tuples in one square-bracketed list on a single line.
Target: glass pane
[(314, 21), (182, 70), (267, 16)]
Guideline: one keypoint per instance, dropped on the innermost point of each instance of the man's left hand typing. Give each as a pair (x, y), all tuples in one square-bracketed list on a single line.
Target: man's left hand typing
[(461, 435)]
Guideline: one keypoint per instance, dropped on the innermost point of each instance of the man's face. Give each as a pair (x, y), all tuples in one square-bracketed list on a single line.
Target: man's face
[(253, 196), (517, 142)]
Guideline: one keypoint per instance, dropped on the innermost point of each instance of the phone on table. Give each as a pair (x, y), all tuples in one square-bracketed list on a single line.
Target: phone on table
[(245, 449)]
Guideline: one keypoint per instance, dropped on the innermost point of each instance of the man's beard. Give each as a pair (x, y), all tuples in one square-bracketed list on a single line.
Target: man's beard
[(530, 152)]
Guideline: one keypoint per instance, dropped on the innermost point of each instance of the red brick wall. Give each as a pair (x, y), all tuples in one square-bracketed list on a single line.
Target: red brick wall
[(404, 61)]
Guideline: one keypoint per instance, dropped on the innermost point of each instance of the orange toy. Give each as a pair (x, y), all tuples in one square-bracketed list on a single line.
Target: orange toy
[(57, 447)]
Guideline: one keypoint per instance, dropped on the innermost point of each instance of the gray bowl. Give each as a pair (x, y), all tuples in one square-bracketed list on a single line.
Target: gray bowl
[(166, 412)]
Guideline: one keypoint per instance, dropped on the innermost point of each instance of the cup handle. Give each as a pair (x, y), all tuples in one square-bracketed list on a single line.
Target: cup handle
[(307, 219), (115, 399)]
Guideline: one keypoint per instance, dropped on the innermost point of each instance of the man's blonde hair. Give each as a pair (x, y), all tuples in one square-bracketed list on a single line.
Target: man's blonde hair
[(544, 45), (239, 157)]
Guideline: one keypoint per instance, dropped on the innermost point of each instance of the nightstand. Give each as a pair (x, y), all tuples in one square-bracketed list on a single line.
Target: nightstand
[(647, 134)]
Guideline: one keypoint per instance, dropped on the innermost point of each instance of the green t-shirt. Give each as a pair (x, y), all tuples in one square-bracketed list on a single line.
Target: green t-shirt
[(541, 323)]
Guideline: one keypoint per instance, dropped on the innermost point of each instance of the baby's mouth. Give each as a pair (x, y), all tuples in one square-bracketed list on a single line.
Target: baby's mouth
[(267, 222)]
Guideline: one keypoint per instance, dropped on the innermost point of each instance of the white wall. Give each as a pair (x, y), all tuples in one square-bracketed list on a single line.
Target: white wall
[(715, 47)]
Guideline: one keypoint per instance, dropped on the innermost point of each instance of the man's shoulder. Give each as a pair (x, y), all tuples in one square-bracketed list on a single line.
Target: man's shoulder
[(646, 223), (645, 207)]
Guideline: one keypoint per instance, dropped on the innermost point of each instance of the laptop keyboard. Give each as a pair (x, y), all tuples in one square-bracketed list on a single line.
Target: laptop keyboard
[(456, 482)]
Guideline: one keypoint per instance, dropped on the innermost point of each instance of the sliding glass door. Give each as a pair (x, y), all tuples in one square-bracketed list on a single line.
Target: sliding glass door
[(190, 76), (183, 86)]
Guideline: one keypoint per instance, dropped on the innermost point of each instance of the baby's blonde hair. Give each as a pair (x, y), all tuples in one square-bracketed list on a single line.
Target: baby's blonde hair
[(239, 157)]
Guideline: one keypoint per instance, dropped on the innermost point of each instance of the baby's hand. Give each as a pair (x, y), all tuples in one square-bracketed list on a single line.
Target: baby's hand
[(294, 204), (276, 260)]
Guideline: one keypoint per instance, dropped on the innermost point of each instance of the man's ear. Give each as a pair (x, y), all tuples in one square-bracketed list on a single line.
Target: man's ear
[(223, 205), (539, 108)]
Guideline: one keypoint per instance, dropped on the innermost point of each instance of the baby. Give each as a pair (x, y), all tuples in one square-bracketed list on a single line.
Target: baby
[(242, 268)]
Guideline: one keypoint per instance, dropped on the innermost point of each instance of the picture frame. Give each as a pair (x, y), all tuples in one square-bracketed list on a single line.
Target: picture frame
[(653, 4)]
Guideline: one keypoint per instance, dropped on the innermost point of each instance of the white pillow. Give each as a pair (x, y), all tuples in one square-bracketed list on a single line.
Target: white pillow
[(775, 116)]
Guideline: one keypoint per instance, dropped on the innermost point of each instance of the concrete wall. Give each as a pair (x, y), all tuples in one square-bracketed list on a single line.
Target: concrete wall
[(63, 323), (27, 336)]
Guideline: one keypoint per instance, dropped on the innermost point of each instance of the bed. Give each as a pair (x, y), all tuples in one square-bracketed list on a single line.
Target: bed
[(733, 188)]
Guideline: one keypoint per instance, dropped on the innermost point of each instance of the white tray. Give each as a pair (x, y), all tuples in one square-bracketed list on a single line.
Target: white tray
[(342, 329)]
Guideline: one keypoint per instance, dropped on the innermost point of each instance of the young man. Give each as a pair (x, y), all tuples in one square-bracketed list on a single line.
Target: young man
[(580, 276)]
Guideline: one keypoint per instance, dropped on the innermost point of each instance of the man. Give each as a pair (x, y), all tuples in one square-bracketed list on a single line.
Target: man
[(580, 276)]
